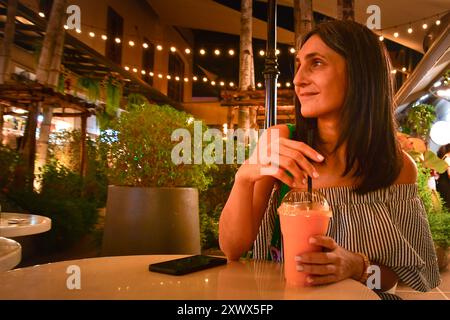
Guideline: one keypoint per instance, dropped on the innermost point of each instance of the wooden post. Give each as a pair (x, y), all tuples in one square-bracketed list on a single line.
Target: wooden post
[(346, 10), (303, 20), (8, 41), (24, 176), (271, 71), (83, 149)]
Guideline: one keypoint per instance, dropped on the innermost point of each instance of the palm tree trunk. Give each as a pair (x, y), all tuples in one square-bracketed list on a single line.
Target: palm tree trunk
[(346, 10), (5, 52), (48, 70), (246, 66)]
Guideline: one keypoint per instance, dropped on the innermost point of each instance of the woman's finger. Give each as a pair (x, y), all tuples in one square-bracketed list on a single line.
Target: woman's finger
[(301, 161), (317, 269), (320, 280), (303, 148), (316, 258), (323, 241)]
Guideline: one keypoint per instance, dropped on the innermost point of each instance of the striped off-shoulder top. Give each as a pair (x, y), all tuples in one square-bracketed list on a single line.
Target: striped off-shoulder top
[(389, 225)]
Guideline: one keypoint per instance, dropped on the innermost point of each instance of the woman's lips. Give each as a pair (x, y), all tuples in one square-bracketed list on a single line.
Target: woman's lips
[(308, 95)]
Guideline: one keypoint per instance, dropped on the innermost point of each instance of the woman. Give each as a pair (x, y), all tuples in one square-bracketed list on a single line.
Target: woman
[(345, 92), (443, 183)]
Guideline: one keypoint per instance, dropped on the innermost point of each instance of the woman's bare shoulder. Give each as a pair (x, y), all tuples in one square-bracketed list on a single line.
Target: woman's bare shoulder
[(408, 173)]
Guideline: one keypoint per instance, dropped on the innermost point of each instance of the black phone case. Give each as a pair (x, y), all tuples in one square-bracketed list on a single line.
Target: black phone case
[(167, 267)]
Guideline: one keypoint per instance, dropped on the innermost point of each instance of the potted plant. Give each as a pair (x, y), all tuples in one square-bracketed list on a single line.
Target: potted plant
[(152, 204)]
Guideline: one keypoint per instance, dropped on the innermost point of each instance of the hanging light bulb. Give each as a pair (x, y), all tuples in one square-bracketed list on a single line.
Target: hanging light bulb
[(202, 52), (78, 31), (231, 84), (143, 72), (173, 49), (118, 40), (159, 47), (425, 26), (381, 38), (438, 22), (177, 78), (194, 78), (259, 85), (217, 52), (288, 84), (277, 52), (151, 74), (222, 83), (168, 77), (205, 79), (131, 43), (213, 83), (292, 50), (186, 79), (91, 34), (188, 51), (41, 14), (396, 34), (145, 45), (231, 52), (410, 30), (262, 53), (127, 68), (404, 69), (66, 27), (104, 37), (135, 70), (160, 76)]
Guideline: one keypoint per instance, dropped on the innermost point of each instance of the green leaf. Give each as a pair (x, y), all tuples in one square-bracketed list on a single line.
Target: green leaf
[(432, 161)]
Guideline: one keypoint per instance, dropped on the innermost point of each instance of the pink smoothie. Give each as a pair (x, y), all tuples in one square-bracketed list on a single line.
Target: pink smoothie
[(297, 226)]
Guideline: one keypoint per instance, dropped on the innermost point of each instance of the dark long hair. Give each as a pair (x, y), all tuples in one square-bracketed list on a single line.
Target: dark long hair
[(367, 118)]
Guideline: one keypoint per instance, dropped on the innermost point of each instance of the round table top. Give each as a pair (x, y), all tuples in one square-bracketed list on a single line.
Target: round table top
[(10, 254), (128, 277), (19, 224)]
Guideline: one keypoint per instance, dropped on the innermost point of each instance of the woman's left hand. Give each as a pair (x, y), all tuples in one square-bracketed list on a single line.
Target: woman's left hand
[(334, 265)]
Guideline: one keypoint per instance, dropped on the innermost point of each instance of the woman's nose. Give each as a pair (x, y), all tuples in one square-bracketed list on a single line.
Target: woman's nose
[(301, 78)]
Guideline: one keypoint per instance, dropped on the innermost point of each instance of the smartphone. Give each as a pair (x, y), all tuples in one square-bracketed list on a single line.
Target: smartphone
[(187, 265)]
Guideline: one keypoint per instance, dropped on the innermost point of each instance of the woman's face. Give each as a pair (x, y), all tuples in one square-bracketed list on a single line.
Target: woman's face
[(321, 80)]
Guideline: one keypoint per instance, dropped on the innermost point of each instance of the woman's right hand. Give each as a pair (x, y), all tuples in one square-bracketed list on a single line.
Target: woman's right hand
[(292, 156)]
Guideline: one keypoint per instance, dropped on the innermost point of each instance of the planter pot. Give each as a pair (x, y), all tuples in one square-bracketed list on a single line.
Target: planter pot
[(442, 257), (151, 221)]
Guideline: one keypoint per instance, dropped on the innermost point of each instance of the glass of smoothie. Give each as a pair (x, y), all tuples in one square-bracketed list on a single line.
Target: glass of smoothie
[(303, 214)]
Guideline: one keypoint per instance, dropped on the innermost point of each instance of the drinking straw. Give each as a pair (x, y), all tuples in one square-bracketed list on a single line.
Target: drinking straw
[(310, 143)]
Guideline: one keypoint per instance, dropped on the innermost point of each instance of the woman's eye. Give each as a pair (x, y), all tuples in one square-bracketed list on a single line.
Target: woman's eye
[(317, 62)]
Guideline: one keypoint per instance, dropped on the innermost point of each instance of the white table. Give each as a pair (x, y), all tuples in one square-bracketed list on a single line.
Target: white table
[(10, 254), (127, 277), (26, 224)]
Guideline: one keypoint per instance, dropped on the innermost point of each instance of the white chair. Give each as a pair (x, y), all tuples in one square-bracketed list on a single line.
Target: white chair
[(10, 254)]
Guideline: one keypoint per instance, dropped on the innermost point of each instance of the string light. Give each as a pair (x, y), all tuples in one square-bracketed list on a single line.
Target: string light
[(194, 78), (288, 84), (177, 78), (145, 45), (231, 84), (217, 52), (78, 31), (262, 53), (168, 77), (186, 79), (279, 85), (104, 37), (404, 69), (231, 52), (131, 43), (425, 26), (277, 52), (91, 34), (127, 68), (118, 40), (41, 14), (438, 22), (394, 71), (151, 74), (396, 34), (66, 27), (259, 85), (410, 30), (292, 50), (135, 70), (187, 50), (381, 38), (159, 47), (205, 79), (222, 83), (173, 49), (143, 72), (160, 76), (213, 83)]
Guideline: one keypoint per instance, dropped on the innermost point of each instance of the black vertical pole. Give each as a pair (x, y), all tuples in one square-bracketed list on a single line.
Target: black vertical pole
[(271, 65)]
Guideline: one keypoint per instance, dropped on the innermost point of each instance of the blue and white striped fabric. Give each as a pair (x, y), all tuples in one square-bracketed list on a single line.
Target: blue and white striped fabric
[(389, 225)]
